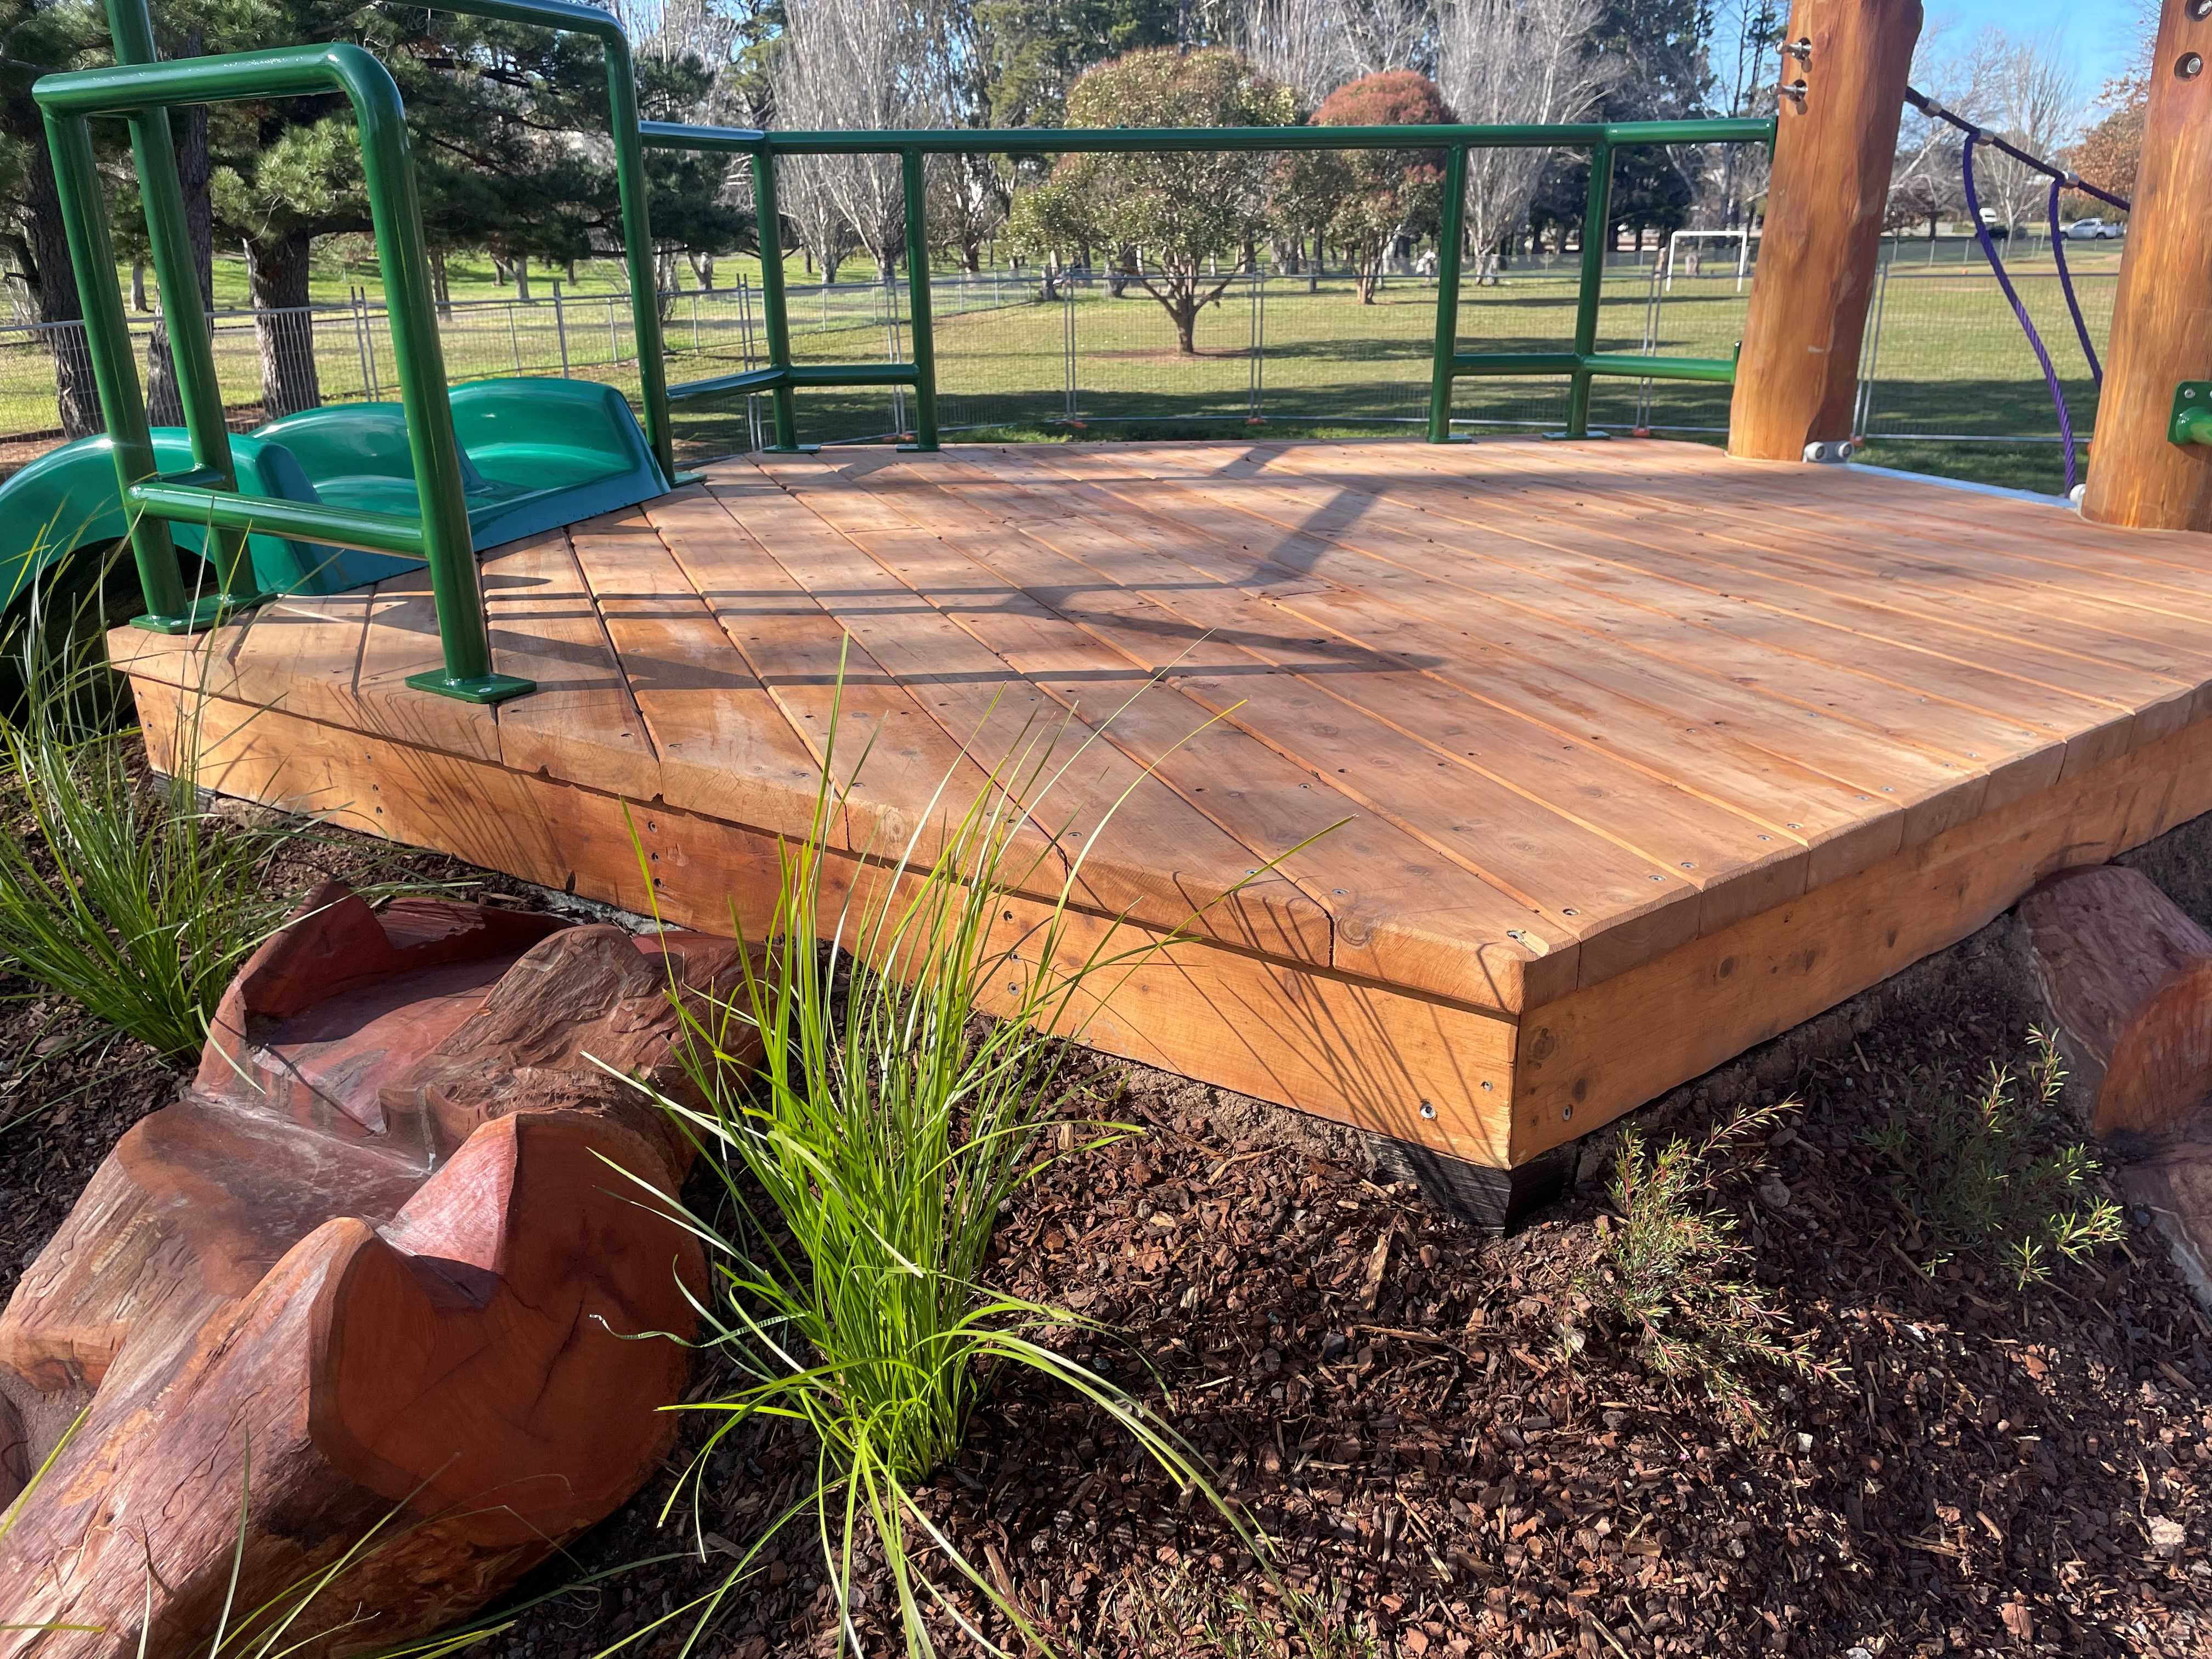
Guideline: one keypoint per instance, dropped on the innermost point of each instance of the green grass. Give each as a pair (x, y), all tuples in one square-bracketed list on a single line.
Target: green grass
[(1952, 359)]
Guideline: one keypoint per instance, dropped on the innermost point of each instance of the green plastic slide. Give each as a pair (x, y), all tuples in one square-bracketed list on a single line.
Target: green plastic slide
[(536, 454)]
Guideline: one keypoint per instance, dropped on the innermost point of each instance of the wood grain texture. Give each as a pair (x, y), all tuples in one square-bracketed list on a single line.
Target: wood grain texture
[(1833, 155), (2162, 311), (358, 1301), (1362, 1053), (2127, 978), (1571, 727)]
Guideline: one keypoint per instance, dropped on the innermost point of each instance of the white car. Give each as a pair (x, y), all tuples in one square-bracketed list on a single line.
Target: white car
[(2091, 230)]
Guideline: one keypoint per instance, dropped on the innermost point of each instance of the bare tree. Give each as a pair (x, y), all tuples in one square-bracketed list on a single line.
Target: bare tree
[(1315, 46), (2025, 90), (870, 64), (1515, 62)]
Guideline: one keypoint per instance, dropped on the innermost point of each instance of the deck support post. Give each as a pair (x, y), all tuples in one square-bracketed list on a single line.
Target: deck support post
[(1492, 1200), (2162, 314), (1843, 91)]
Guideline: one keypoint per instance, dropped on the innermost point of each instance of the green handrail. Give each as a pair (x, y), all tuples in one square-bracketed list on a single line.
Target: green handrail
[(575, 17), (440, 535), (1580, 365)]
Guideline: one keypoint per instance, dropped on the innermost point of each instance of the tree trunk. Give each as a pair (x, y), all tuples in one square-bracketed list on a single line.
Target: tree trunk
[(440, 289), (164, 403), (702, 268), (1183, 307), (522, 278), (52, 282), (971, 254), (284, 325), (138, 286)]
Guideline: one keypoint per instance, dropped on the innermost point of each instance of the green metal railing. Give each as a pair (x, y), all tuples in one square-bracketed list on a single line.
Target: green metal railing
[(1581, 364), (141, 90)]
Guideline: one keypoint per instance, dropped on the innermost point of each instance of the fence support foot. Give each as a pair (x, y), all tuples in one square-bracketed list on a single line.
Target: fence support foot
[(208, 611), (480, 688)]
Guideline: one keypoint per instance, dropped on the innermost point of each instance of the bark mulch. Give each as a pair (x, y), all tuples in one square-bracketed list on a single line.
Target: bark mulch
[(1398, 1402), (1451, 1453)]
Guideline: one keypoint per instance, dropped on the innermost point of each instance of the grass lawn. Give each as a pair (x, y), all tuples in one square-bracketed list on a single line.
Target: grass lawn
[(1950, 357)]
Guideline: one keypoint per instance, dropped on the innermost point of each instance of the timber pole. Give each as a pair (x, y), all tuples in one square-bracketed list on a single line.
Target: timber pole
[(2162, 314), (1844, 72)]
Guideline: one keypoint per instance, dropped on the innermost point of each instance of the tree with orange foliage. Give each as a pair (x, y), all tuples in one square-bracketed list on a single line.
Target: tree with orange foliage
[(1386, 194), (2109, 154)]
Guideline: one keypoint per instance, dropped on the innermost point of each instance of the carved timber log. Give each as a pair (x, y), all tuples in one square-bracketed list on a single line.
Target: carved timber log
[(378, 1245), (2128, 979)]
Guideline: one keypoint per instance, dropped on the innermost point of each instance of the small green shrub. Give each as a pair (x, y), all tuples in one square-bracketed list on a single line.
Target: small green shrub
[(865, 1160), (116, 890), (1675, 1271), (1992, 1175)]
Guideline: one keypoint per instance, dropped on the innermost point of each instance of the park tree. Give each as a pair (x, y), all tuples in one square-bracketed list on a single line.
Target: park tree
[(2025, 90), (871, 64), (1513, 62), (1031, 52), (38, 37), (1315, 46), (2110, 153), (1388, 194), (1172, 221)]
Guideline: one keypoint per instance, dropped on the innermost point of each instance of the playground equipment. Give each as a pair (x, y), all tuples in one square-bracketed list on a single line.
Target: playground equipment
[(2061, 180), (434, 521), (533, 455), (1604, 760)]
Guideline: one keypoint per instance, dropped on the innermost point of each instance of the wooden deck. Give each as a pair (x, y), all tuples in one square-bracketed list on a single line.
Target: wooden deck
[(1637, 756)]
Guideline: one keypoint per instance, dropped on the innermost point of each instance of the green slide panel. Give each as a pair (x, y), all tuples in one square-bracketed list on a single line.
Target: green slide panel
[(535, 455)]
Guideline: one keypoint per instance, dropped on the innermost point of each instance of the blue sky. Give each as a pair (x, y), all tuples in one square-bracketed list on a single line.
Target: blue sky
[(2099, 36)]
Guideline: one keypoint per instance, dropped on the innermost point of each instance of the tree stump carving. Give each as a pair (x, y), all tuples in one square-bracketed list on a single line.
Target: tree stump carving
[(378, 1245)]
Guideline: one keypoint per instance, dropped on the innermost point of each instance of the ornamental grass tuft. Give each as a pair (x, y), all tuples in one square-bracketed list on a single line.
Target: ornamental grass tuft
[(908, 1062)]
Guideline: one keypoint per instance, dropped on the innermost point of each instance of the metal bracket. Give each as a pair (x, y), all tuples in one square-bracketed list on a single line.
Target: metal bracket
[(2191, 420)]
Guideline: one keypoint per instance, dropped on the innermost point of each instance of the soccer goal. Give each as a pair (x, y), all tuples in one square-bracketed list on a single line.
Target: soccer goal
[(1740, 237)]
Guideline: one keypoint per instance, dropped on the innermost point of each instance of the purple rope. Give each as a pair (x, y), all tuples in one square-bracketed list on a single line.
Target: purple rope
[(2066, 287), (2004, 282)]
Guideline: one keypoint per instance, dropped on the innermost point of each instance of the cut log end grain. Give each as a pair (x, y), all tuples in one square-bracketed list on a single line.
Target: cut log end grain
[(2127, 978)]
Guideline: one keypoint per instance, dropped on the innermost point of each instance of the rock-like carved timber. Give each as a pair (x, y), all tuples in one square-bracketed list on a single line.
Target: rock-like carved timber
[(2128, 979), (384, 1245)]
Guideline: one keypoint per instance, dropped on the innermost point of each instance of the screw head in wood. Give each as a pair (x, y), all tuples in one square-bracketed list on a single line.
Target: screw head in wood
[(2189, 65)]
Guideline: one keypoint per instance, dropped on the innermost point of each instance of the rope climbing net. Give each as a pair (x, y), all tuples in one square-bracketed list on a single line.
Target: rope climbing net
[(2062, 179)]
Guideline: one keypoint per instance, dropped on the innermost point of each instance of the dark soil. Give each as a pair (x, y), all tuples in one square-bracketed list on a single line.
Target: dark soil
[(1395, 1400), (1450, 1450)]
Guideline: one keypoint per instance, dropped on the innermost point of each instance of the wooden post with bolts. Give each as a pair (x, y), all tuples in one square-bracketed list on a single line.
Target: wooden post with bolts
[(1844, 74), (2162, 314)]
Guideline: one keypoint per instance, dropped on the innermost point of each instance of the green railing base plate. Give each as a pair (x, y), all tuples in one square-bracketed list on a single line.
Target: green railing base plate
[(483, 688), (791, 449), (207, 612), (919, 449), (2191, 420), (678, 480), (1572, 437)]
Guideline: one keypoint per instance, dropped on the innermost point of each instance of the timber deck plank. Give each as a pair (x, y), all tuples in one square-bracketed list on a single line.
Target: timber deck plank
[(1586, 765)]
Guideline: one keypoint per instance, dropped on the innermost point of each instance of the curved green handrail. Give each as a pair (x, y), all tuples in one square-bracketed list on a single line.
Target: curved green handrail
[(69, 103)]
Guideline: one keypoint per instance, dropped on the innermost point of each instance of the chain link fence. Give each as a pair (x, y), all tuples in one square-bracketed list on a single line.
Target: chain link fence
[(1022, 353)]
